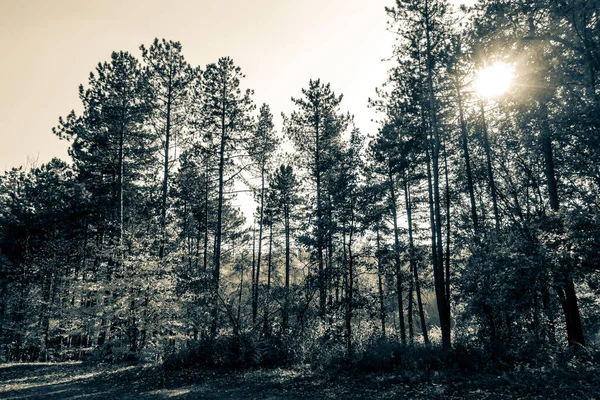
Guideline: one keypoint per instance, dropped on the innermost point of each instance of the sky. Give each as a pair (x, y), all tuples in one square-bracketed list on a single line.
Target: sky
[(49, 47)]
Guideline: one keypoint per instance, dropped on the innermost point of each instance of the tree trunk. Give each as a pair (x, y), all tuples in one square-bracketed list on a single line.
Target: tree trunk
[(488, 157), (121, 181), (447, 281), (253, 283), (380, 273), (217, 254), (239, 310), (411, 333), (329, 270), (205, 255), (444, 311), (566, 292), (320, 238), (163, 211), (350, 292), (260, 236), (269, 266), (413, 263), (465, 148), (397, 257), (285, 315)]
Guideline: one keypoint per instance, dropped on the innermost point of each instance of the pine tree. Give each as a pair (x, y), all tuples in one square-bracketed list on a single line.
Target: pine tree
[(264, 144), (113, 158), (169, 78), (315, 128), (284, 187), (226, 121)]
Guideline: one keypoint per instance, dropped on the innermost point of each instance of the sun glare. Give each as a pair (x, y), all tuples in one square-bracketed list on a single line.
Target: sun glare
[(494, 80)]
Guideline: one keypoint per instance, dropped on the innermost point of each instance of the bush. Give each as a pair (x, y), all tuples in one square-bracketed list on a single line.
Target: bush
[(113, 352), (235, 351), (194, 354), (381, 354), (232, 351), (375, 355), (388, 354), (276, 351)]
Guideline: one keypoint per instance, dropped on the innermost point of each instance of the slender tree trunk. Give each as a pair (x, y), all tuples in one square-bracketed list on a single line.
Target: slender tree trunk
[(447, 228), (286, 302), (380, 273), (121, 182), (270, 258), (205, 255), (549, 161), (217, 254), (45, 317), (411, 333), (566, 291), (488, 157), (320, 233), (399, 279), (350, 291), (269, 267), (432, 221), (260, 237), (329, 270), (133, 330), (440, 285), (465, 148), (253, 283), (165, 185), (197, 246), (239, 310), (414, 264)]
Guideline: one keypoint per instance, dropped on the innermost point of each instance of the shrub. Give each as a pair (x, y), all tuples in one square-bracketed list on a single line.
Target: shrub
[(388, 354), (238, 351), (113, 352), (232, 351), (381, 354), (195, 354), (276, 351)]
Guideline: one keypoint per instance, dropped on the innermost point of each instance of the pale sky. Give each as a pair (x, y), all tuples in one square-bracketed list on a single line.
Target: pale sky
[(49, 47)]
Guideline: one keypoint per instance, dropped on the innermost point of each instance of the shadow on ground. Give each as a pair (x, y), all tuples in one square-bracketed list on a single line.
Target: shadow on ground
[(98, 381), (124, 382), (89, 381)]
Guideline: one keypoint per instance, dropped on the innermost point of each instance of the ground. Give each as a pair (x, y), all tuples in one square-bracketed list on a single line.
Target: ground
[(101, 381)]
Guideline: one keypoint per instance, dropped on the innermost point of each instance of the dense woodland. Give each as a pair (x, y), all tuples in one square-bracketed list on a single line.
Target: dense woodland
[(465, 221)]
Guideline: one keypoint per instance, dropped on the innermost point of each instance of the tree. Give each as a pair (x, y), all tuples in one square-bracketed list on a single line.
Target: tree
[(170, 78), (113, 159), (264, 144), (314, 129), (225, 120), (426, 38), (41, 231), (347, 198), (109, 133), (551, 54), (284, 186)]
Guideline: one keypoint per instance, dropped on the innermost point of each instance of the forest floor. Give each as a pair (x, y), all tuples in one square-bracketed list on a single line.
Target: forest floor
[(101, 381)]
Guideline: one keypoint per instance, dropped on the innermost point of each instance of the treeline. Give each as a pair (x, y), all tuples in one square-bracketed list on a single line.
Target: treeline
[(464, 220)]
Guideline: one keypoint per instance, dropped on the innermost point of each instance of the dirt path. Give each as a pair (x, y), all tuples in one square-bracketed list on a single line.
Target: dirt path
[(122, 382), (88, 381)]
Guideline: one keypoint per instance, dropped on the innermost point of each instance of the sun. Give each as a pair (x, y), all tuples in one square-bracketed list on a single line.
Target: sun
[(494, 80)]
